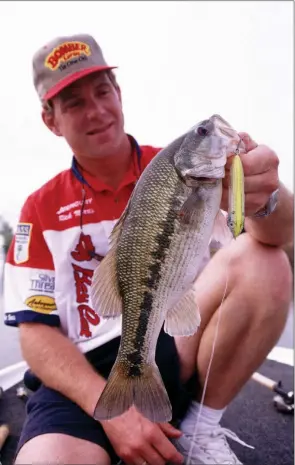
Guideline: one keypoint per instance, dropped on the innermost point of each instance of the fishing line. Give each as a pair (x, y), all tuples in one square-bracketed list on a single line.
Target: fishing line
[(210, 361)]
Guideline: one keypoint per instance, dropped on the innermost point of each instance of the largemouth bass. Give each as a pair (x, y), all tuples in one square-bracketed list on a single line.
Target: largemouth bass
[(157, 247)]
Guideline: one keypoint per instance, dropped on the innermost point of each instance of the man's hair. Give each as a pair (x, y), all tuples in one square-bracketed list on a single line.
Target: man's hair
[(47, 105)]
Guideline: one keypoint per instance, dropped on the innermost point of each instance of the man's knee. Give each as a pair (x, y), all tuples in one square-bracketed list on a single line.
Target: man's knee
[(266, 269), (58, 449)]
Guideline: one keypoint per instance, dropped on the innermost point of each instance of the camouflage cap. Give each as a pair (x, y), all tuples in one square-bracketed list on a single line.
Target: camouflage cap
[(64, 60)]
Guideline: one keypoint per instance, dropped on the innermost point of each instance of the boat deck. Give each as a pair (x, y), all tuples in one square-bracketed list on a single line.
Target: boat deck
[(251, 416)]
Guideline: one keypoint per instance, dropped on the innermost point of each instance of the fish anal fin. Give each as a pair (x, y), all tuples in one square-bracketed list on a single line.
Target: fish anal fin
[(184, 318), (146, 392)]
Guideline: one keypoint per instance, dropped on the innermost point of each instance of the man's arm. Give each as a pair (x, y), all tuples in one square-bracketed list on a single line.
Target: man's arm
[(276, 229), (60, 365)]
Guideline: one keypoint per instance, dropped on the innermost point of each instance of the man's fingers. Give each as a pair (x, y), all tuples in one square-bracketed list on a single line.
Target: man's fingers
[(264, 183), (167, 450), (254, 202), (152, 456), (170, 431), (143, 452), (250, 144)]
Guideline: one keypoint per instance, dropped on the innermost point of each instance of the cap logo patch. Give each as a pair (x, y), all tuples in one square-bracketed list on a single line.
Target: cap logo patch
[(65, 52)]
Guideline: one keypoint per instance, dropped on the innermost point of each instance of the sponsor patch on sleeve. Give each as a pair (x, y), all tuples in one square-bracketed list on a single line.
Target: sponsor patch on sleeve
[(22, 242), (41, 303)]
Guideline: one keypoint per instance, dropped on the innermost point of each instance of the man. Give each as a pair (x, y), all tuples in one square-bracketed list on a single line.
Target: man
[(62, 235)]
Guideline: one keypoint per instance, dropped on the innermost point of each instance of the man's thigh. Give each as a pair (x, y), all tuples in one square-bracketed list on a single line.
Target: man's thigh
[(60, 449), (53, 421)]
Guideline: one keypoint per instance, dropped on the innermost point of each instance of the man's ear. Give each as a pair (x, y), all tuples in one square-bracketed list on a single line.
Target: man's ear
[(50, 121)]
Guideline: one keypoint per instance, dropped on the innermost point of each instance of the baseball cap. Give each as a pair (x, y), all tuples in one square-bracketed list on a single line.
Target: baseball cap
[(63, 61)]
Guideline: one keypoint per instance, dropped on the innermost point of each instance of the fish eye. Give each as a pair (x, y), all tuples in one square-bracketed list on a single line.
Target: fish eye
[(202, 131)]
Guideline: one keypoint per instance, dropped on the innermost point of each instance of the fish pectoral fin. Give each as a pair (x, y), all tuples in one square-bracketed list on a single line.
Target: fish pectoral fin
[(221, 232), (146, 391), (104, 290), (189, 207), (184, 318)]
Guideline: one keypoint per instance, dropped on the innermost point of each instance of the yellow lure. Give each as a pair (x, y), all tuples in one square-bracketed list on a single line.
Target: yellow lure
[(236, 198)]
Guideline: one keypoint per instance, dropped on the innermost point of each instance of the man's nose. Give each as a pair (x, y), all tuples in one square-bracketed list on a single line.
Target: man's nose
[(94, 108)]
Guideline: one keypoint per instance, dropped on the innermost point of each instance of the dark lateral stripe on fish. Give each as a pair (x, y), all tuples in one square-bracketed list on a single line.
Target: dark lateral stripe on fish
[(163, 241)]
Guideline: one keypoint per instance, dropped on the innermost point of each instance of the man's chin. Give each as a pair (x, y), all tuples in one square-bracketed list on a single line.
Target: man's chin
[(101, 150)]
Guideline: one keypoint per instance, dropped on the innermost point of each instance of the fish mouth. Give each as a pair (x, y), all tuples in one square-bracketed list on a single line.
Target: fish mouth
[(203, 178), (192, 181)]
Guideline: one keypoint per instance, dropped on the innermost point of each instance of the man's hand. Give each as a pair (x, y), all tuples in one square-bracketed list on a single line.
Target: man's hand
[(260, 165), (137, 440)]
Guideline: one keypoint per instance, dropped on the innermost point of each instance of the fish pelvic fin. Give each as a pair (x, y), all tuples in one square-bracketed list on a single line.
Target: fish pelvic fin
[(184, 318), (221, 232), (104, 290), (146, 392)]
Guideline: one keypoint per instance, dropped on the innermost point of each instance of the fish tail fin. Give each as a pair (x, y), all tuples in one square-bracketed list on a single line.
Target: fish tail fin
[(150, 395), (146, 391)]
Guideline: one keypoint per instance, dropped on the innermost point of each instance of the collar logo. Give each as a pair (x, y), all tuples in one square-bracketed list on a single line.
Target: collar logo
[(65, 52)]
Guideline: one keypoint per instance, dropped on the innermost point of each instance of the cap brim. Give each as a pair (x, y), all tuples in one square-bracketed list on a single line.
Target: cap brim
[(72, 78)]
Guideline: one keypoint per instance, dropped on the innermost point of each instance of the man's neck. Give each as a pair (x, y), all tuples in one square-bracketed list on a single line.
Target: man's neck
[(112, 168)]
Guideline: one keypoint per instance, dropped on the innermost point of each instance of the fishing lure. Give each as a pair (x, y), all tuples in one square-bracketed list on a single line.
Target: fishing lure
[(236, 196)]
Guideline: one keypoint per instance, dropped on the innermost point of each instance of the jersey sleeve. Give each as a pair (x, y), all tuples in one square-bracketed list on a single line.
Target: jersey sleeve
[(29, 276)]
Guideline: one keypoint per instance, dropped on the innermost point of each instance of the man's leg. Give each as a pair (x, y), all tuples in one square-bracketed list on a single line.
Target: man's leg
[(253, 316), (57, 431), (60, 449)]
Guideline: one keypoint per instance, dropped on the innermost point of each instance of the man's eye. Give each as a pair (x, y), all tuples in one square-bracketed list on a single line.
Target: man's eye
[(102, 91), (74, 103)]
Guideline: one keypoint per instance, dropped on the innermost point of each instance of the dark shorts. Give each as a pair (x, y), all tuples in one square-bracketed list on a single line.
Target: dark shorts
[(48, 411)]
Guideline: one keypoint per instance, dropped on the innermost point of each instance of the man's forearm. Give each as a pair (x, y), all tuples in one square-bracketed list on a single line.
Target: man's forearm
[(278, 228), (60, 365)]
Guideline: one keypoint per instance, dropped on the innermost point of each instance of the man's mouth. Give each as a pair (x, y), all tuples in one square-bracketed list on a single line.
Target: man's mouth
[(98, 130)]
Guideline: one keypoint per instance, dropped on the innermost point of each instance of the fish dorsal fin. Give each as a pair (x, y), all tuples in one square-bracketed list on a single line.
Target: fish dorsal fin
[(117, 229), (184, 318), (104, 291)]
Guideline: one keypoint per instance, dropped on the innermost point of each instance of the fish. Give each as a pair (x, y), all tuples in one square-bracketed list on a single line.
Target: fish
[(156, 250), (236, 197)]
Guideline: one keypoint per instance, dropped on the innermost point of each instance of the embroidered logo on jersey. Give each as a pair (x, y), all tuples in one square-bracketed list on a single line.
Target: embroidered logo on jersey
[(72, 205), (22, 242), (65, 214), (84, 251), (41, 303), (43, 283)]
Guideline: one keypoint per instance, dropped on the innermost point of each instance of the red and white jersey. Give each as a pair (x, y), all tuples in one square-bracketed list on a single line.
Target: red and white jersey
[(52, 257)]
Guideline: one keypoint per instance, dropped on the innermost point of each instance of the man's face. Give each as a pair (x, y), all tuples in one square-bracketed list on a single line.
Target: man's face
[(88, 114)]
